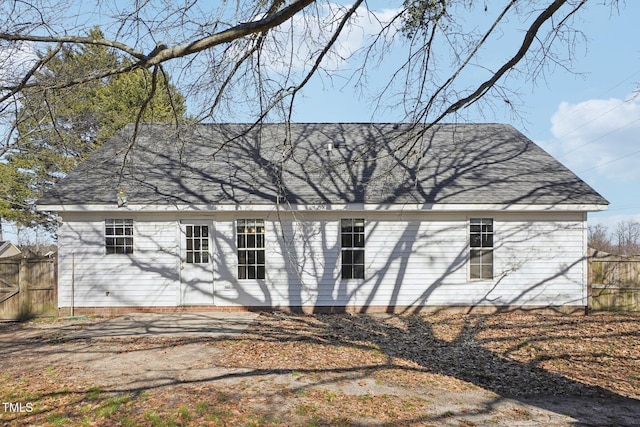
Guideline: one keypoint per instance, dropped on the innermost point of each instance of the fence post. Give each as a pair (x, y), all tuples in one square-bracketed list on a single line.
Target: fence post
[(23, 289), (589, 282)]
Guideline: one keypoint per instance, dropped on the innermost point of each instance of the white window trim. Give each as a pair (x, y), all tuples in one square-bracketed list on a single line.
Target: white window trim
[(469, 249)]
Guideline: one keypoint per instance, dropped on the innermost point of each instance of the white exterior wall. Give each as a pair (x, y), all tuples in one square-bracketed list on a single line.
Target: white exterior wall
[(412, 259), (147, 277)]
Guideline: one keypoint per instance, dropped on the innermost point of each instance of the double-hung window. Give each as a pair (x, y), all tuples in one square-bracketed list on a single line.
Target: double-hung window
[(251, 253), (197, 244), (481, 248), (118, 236), (352, 243)]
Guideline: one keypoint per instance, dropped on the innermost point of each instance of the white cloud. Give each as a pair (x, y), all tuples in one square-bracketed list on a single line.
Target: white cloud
[(599, 137)]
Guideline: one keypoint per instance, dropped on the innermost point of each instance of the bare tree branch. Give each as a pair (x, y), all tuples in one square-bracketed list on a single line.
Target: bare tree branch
[(528, 40)]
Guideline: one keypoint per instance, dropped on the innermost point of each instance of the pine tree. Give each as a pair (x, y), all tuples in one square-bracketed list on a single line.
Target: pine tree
[(58, 128)]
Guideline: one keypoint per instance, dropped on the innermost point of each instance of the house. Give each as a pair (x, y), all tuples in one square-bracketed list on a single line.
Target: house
[(340, 216), (8, 249)]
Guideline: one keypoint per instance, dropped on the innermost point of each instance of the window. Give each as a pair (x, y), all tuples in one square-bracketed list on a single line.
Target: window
[(197, 244), (250, 234), (118, 236), (481, 242), (352, 240)]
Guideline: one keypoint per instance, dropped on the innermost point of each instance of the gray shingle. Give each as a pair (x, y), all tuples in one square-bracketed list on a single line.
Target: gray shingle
[(210, 164)]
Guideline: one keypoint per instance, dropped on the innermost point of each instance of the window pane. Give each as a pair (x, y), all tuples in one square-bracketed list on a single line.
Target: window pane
[(358, 241), (189, 257), (358, 226), (196, 231), (346, 272), (347, 257), (487, 240), (260, 241), (242, 257), (252, 272), (487, 271), (487, 257), (242, 272), (358, 271), (241, 241), (347, 225), (347, 241), (260, 257), (261, 272), (196, 257), (189, 231), (475, 256), (358, 257), (196, 244), (205, 257), (251, 241), (475, 241), (205, 231), (474, 271)]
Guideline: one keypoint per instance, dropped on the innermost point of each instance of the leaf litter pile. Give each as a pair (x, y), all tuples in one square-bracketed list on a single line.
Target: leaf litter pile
[(339, 369)]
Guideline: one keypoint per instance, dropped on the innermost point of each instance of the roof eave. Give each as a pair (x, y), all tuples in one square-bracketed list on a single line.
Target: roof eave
[(400, 207)]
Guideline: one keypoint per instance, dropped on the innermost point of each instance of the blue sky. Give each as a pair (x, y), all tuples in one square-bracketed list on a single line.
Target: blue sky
[(588, 118)]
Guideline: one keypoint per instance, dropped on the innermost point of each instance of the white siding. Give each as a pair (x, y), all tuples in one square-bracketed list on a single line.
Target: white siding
[(411, 259), (147, 277)]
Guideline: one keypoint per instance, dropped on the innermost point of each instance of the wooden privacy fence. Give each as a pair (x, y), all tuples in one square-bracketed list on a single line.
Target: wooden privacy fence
[(28, 287), (614, 282)]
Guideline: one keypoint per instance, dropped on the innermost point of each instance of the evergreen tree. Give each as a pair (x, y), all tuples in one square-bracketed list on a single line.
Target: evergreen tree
[(56, 129)]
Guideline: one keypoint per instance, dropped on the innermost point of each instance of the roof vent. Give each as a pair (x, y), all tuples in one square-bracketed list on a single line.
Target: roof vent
[(329, 149)]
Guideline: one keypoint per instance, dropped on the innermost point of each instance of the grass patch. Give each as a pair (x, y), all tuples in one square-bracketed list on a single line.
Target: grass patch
[(202, 408), (158, 420), (126, 421), (221, 397), (261, 420), (219, 416), (57, 420), (111, 405), (184, 413), (329, 395), (50, 371), (93, 393)]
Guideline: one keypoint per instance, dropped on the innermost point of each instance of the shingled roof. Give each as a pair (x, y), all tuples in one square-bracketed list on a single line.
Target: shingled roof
[(321, 163)]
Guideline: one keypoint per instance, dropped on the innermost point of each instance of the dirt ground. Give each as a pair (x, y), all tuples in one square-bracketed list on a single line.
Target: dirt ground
[(344, 370)]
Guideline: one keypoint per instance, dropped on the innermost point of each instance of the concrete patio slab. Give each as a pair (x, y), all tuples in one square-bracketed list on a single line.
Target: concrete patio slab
[(191, 324)]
